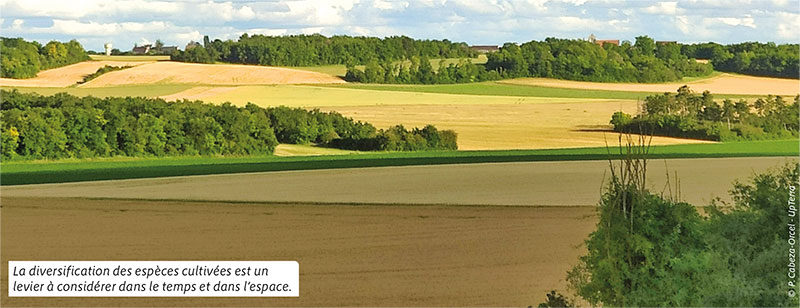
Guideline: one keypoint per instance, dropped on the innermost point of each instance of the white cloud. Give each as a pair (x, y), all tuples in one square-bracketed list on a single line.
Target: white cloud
[(124, 22), (682, 23), (662, 8), (788, 26), (17, 24), (746, 21), (390, 5)]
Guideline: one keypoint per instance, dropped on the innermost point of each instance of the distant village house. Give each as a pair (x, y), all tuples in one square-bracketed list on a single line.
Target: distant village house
[(485, 48), (594, 40), (140, 50), (149, 48), (192, 44)]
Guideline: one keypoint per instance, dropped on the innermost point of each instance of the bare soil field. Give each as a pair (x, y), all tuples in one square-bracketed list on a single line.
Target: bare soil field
[(722, 84), (209, 74), (65, 76), (511, 126), (348, 255), (564, 183)]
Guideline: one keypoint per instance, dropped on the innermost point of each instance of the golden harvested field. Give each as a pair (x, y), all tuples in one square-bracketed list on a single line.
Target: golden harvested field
[(483, 122), (318, 96), (65, 76), (348, 255), (209, 74), (511, 126), (721, 84), (565, 183)]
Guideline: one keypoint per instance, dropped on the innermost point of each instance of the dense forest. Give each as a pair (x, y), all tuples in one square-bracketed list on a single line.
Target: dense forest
[(308, 50), (22, 59), (690, 115), (752, 58), (643, 61), (63, 126), (650, 249)]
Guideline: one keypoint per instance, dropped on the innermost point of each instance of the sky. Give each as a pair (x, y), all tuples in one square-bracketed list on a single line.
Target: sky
[(127, 22)]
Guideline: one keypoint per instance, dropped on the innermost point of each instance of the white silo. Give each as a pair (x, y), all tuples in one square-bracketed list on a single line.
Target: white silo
[(108, 49)]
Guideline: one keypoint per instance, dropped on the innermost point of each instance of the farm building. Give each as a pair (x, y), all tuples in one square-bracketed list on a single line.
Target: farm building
[(140, 50), (168, 49), (484, 48), (192, 44), (145, 49), (593, 39)]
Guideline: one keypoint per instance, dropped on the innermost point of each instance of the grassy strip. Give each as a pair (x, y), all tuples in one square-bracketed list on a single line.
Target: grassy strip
[(505, 89), (144, 90), (16, 173)]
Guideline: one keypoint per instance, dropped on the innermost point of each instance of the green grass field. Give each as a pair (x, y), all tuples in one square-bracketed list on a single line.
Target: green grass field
[(33, 172), (503, 89)]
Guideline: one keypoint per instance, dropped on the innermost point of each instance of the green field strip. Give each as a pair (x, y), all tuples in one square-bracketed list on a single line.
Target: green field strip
[(35, 172), (505, 89)]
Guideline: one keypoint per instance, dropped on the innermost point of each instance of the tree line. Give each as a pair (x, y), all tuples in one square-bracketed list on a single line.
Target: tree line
[(643, 61), (63, 126), (751, 58), (316, 49), (419, 71), (22, 59), (690, 115), (652, 249)]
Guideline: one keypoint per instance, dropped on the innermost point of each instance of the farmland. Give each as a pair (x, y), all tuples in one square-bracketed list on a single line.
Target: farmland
[(497, 184), (65, 76), (349, 255), (496, 223), (71, 170), (512, 114), (216, 74), (479, 229), (723, 83)]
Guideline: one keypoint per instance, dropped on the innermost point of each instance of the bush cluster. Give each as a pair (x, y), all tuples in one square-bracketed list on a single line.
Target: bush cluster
[(686, 114), (654, 250), (22, 59)]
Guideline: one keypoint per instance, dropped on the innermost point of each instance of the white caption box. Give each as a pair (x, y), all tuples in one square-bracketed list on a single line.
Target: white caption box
[(153, 279)]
